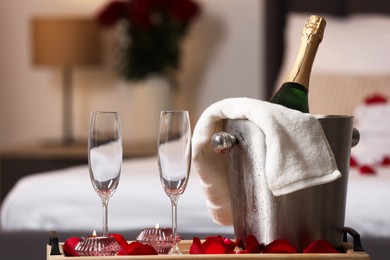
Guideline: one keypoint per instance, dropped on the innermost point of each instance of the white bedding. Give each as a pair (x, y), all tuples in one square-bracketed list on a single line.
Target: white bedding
[(368, 202), (65, 200)]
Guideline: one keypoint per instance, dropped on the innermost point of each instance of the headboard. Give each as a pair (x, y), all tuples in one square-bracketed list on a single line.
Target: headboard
[(277, 10)]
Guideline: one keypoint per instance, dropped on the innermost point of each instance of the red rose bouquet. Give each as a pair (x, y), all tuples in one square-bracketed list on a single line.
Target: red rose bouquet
[(153, 30)]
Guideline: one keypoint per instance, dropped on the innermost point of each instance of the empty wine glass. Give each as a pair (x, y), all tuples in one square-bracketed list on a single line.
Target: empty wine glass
[(174, 160), (105, 157)]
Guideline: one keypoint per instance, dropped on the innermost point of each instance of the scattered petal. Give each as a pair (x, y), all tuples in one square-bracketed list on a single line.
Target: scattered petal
[(367, 170), (209, 242), (126, 249), (280, 246), (229, 244), (353, 162), (133, 245), (252, 245), (320, 246), (212, 245), (215, 245), (386, 161), (215, 249), (143, 250), (196, 246), (376, 99), (69, 246), (137, 248)]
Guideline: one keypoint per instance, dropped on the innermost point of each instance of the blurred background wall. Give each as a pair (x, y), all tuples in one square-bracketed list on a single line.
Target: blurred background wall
[(222, 58)]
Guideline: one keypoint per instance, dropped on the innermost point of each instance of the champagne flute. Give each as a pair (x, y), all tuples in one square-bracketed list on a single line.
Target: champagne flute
[(174, 160), (105, 157)]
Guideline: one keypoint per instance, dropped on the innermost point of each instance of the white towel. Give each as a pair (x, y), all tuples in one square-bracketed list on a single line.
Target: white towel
[(297, 152)]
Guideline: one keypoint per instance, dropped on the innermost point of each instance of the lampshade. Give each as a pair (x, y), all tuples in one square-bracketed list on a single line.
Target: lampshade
[(59, 41), (65, 42)]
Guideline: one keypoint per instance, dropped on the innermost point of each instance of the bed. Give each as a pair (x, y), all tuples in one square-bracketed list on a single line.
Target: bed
[(368, 194), (139, 202)]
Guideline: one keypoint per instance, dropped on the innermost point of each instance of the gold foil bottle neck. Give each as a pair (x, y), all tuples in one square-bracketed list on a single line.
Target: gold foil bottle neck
[(315, 26), (313, 33)]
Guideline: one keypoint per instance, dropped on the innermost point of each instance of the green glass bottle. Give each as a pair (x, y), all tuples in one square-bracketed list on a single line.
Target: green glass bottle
[(294, 92)]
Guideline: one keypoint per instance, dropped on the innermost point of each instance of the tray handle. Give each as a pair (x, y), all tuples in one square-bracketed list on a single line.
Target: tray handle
[(357, 244), (55, 247)]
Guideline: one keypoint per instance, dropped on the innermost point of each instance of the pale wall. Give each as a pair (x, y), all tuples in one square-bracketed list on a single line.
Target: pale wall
[(222, 59)]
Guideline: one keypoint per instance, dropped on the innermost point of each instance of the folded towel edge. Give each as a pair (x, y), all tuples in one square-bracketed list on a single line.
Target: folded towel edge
[(314, 181)]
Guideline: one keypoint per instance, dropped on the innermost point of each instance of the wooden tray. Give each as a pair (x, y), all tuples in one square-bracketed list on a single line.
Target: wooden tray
[(185, 245)]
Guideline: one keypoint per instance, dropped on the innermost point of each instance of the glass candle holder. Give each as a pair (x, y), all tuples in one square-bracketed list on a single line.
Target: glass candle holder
[(97, 246), (159, 238)]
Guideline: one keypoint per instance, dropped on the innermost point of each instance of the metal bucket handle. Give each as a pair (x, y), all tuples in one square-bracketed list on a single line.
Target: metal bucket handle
[(223, 142)]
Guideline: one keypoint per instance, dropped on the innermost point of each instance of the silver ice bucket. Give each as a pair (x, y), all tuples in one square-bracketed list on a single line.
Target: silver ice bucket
[(300, 217)]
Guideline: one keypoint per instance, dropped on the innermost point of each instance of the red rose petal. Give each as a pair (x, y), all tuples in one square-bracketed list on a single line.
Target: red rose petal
[(229, 244), (353, 162), (252, 245), (212, 245), (143, 250), (196, 246), (239, 242), (209, 242), (367, 170), (386, 161), (376, 99), (123, 251), (215, 249), (280, 246), (69, 246), (133, 245), (137, 248), (126, 249), (129, 248), (320, 246)]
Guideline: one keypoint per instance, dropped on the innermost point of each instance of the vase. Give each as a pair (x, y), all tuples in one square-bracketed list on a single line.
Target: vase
[(147, 99)]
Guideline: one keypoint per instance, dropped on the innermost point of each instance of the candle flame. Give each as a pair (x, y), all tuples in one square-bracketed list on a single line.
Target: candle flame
[(94, 233), (157, 226)]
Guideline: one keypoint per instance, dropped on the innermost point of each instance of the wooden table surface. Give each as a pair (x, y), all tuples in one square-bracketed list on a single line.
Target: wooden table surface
[(185, 245)]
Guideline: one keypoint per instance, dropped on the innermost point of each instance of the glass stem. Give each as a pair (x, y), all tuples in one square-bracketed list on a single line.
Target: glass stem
[(105, 216), (175, 248)]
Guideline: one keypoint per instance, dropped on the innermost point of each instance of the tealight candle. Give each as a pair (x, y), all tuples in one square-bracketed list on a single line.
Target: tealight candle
[(160, 238), (97, 246)]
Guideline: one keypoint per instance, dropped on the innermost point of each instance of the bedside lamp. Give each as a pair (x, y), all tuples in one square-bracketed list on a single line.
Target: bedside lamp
[(65, 42)]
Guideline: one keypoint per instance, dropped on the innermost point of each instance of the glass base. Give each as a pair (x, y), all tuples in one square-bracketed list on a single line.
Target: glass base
[(97, 246), (160, 238), (175, 250)]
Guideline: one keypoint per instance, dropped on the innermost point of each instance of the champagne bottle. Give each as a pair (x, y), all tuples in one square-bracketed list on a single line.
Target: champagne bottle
[(294, 92)]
